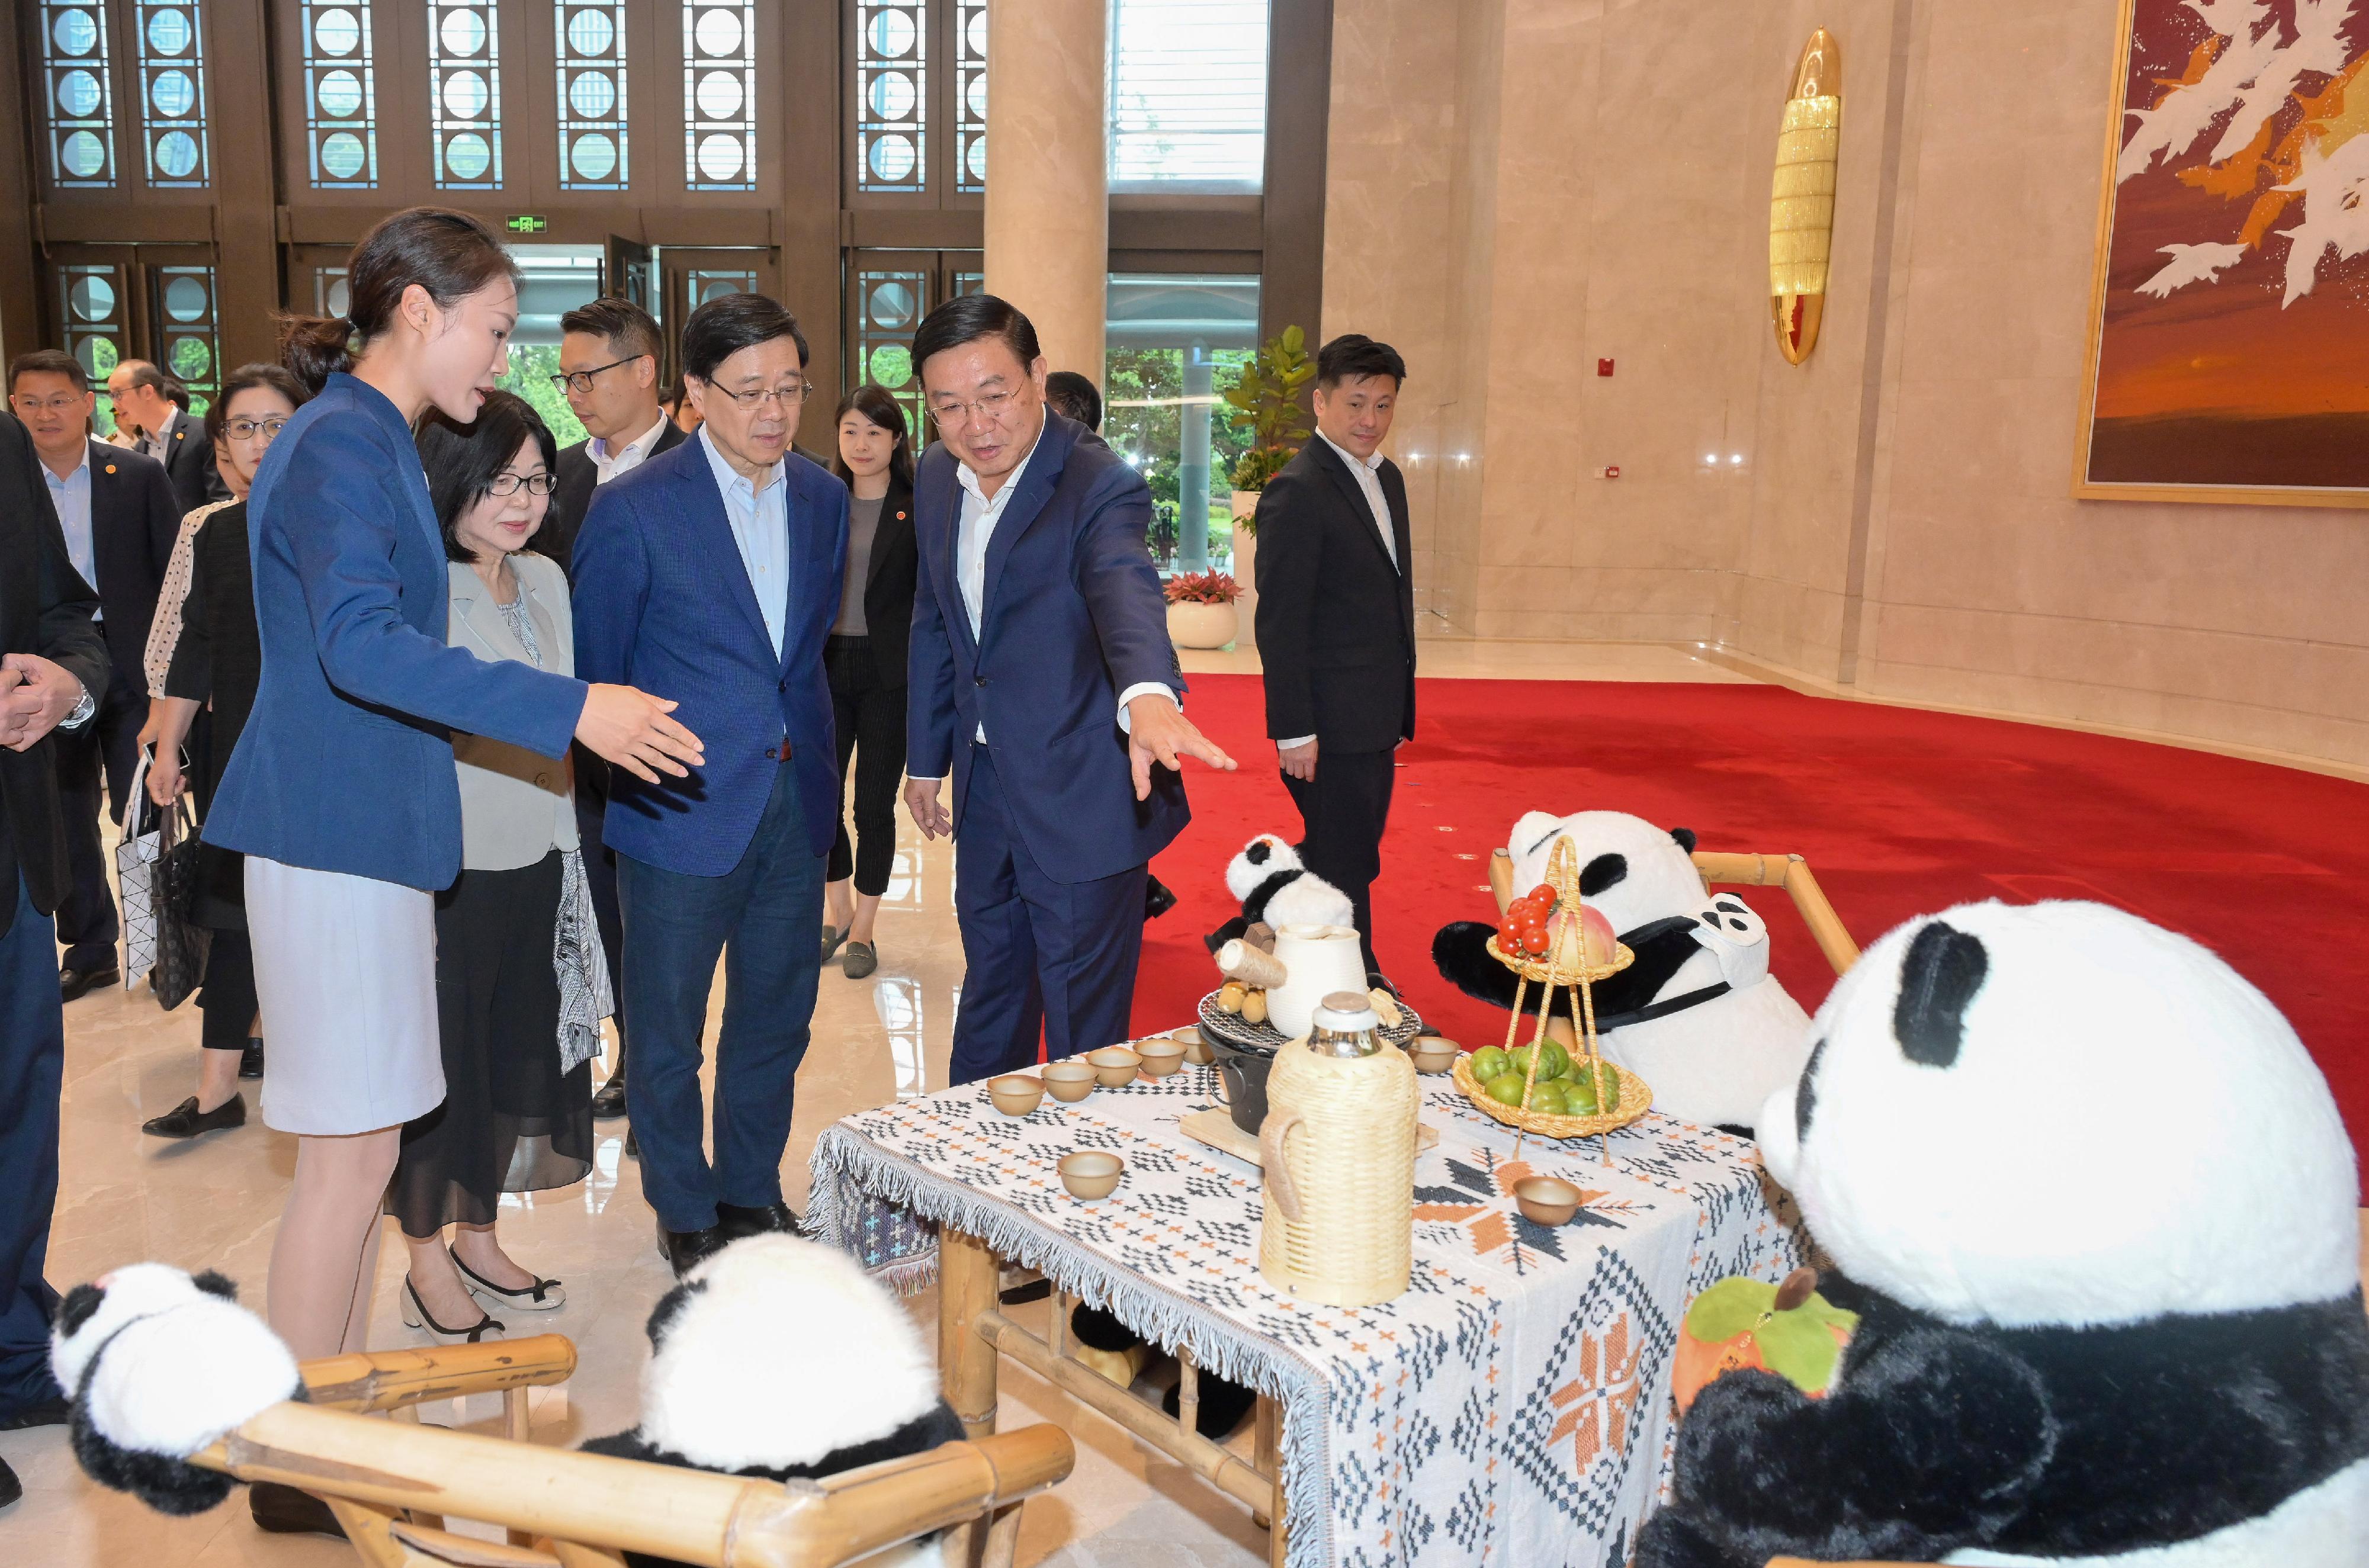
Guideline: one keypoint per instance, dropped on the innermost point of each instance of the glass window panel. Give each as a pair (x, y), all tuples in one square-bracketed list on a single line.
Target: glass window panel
[(189, 346), (76, 81), (892, 94), (970, 96), (719, 95), (593, 143), (1188, 94), (91, 310), (171, 51), (888, 305), (464, 94), (1173, 341), (701, 286), (340, 94)]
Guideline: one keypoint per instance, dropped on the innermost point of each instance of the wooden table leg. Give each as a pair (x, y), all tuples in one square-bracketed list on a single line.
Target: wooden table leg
[(1263, 1451), (1267, 1454), (967, 1277)]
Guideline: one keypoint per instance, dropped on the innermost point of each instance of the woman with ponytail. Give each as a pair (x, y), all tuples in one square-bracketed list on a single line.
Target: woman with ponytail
[(342, 793)]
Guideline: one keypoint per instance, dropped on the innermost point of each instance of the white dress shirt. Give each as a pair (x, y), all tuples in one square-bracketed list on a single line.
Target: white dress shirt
[(1368, 472), (70, 496), (760, 526), (974, 528), (608, 464)]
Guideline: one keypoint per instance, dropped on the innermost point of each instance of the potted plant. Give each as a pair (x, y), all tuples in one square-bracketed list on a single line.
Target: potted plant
[(1265, 401), (1201, 610)]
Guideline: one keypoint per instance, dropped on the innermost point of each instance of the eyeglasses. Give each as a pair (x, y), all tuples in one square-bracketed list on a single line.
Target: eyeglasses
[(580, 382), (247, 429), (985, 410), (509, 483), (788, 396), (65, 403)]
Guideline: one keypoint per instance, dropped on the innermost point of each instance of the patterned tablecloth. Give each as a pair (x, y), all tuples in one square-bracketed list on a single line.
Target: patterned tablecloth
[(1513, 1407)]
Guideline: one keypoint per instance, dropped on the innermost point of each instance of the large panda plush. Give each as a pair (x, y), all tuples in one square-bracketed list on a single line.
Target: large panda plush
[(160, 1363), (2096, 1210), (779, 1357), (1697, 1013), (1277, 888)]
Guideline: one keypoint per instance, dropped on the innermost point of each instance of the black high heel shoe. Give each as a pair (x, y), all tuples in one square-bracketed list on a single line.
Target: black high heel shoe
[(542, 1295), (416, 1315)]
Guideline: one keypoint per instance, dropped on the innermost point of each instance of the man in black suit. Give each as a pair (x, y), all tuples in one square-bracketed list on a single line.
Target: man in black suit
[(52, 658), (1075, 397), (119, 516), (150, 399), (1336, 620), (609, 372)]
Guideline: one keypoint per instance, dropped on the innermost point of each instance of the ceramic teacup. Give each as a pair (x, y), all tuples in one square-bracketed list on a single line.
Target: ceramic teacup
[(1546, 1200), (1016, 1094), (1161, 1057), (1114, 1064), (1069, 1080), (1090, 1173)]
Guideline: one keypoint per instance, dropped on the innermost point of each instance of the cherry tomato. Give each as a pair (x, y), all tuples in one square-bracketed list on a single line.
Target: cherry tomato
[(1543, 893), (1509, 935)]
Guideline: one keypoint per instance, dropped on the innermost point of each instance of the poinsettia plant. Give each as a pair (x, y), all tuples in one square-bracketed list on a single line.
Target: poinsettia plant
[(1202, 588)]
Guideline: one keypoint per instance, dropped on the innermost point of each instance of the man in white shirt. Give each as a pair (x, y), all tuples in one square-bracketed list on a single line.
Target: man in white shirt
[(1042, 681), (609, 374), (151, 400), (1336, 621)]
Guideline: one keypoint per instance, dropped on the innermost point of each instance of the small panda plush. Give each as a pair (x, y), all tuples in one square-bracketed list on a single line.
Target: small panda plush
[(781, 1357), (1276, 889), (2093, 1204), (1697, 1013), (159, 1364)]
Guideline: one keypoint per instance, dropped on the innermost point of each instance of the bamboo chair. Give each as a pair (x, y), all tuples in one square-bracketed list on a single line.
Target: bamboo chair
[(392, 1483), (1789, 871)]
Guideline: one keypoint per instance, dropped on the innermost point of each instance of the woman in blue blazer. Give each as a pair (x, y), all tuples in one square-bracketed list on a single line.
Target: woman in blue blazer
[(342, 793)]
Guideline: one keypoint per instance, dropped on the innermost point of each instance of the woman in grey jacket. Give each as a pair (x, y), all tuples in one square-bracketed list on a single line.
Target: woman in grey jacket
[(521, 989)]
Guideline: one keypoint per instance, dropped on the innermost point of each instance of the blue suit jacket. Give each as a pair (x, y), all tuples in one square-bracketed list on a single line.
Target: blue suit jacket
[(1072, 615), (663, 602), (346, 764)]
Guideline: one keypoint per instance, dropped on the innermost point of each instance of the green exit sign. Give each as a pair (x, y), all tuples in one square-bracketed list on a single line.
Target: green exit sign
[(527, 224)]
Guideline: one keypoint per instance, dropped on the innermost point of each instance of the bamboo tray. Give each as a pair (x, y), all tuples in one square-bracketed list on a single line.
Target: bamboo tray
[(1229, 1029), (1636, 1099), (1538, 971)]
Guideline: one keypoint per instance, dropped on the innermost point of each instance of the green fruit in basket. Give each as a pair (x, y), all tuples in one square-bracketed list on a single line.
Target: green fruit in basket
[(1579, 1097), (1547, 1099), (1518, 1060), (1506, 1089), (1488, 1062), (1553, 1060)]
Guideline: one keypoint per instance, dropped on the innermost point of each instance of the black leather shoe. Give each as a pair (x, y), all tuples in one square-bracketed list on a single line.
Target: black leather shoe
[(10, 1487), (48, 1412), (73, 983), (185, 1120), (632, 1144), (1158, 898), (283, 1510), (250, 1061), (683, 1249), (609, 1100), (736, 1221)]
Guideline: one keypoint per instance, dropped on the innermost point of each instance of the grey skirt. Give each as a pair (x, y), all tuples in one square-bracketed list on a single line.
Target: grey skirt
[(345, 976)]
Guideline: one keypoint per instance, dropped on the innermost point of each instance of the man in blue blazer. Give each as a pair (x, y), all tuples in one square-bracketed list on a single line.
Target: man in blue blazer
[(716, 570), (1041, 678)]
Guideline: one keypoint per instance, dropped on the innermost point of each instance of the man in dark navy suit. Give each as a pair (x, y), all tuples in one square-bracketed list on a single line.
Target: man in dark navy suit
[(1041, 678), (716, 570), (174, 438), (120, 518), (51, 658)]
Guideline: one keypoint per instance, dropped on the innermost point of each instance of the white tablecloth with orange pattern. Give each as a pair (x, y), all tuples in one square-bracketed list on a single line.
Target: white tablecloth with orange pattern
[(1513, 1407)]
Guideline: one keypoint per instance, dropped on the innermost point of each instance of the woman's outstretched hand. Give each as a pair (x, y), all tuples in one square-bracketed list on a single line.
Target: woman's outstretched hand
[(631, 729)]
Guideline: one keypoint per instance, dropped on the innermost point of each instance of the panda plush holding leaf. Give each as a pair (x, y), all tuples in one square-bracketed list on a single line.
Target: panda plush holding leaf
[(2095, 1209), (781, 1357), (1697, 1013)]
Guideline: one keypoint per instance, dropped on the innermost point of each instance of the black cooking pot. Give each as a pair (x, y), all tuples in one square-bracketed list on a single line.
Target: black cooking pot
[(1242, 1076)]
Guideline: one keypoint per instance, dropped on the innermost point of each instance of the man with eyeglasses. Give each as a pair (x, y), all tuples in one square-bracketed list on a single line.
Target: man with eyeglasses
[(119, 516), (715, 568), (1042, 680), (170, 436), (609, 374)]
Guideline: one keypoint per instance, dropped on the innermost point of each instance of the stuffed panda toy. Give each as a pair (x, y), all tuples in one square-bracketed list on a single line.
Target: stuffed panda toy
[(2095, 1207), (1276, 889), (158, 1364), (1697, 1013), (781, 1357)]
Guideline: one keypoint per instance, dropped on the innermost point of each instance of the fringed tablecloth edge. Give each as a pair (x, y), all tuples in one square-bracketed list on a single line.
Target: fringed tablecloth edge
[(842, 1158)]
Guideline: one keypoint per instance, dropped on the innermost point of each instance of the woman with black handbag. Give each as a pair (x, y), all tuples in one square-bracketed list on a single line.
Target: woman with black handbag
[(216, 662)]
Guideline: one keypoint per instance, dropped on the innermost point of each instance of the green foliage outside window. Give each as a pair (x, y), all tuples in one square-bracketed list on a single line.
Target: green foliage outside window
[(531, 367), (1154, 436)]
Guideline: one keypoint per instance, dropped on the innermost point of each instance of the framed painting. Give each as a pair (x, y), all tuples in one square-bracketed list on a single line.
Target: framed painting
[(2229, 317)]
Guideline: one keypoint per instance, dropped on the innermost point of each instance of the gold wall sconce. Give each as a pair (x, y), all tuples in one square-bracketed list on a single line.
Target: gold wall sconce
[(1802, 199)]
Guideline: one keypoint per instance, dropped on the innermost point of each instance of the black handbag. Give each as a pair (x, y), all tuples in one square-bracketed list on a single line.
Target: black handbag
[(182, 944)]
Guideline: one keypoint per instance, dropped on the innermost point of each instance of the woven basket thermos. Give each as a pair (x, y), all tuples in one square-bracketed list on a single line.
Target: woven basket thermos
[(1338, 1152)]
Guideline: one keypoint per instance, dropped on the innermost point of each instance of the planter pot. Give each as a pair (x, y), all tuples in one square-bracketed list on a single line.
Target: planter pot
[(1246, 568), (1201, 625)]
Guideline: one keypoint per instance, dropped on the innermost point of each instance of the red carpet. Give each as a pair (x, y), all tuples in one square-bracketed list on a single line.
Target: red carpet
[(1899, 812)]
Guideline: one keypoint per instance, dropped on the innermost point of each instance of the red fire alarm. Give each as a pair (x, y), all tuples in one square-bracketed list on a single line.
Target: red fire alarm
[(1603, 366)]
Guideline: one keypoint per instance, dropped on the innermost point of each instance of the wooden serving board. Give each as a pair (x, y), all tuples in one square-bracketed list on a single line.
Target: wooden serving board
[(1215, 1127)]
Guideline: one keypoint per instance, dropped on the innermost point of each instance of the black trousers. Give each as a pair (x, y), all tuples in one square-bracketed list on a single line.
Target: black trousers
[(1344, 810), (97, 756), (228, 998), (869, 714)]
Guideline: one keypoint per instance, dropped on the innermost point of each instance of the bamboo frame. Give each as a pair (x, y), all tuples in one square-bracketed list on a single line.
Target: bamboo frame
[(1789, 871), (1805, 1562), (566, 1509)]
